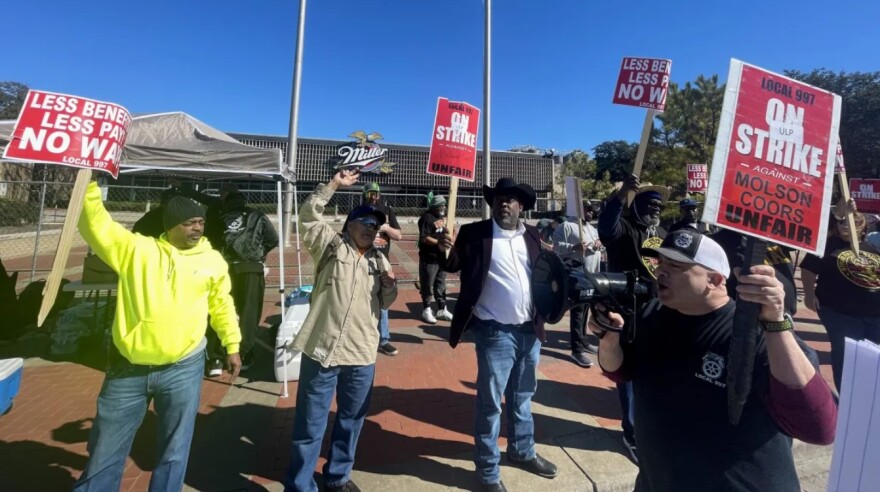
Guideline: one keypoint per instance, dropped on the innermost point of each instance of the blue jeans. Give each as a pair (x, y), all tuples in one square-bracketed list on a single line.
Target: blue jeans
[(384, 334), (175, 390), (841, 326), (507, 358), (353, 386), (625, 396)]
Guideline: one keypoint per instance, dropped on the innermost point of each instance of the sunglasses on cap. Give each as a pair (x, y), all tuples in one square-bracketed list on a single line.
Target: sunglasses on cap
[(368, 221)]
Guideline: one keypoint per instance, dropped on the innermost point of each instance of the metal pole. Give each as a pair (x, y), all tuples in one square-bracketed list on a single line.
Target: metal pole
[(294, 118), (487, 78), (39, 229)]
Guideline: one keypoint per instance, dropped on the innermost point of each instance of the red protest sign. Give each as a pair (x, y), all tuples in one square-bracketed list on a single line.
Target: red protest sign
[(773, 169), (69, 130), (866, 193), (454, 140), (643, 83), (698, 178)]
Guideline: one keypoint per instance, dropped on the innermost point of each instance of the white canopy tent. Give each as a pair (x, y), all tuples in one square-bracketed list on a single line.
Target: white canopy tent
[(178, 144)]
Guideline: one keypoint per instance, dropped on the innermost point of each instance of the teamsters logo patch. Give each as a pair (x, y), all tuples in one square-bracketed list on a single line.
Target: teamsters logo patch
[(862, 270), (712, 369), (684, 241), (649, 262)]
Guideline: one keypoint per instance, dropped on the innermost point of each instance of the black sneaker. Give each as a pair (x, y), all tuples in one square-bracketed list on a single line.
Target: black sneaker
[(215, 368), (388, 349), (348, 486), (537, 465), (247, 360), (592, 349), (582, 359)]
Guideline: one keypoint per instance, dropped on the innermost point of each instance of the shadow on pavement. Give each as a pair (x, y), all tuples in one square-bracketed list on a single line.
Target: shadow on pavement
[(24, 464)]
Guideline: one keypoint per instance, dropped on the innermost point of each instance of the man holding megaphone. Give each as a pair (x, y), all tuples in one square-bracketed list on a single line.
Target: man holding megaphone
[(677, 363)]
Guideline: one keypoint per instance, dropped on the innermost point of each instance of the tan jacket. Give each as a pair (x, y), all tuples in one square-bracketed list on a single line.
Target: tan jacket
[(342, 327)]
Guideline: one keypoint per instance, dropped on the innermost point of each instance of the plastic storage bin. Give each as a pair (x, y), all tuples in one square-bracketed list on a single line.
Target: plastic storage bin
[(298, 308), (10, 381)]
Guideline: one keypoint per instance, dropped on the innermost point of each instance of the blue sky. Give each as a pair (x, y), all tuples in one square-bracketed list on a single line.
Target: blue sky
[(380, 65)]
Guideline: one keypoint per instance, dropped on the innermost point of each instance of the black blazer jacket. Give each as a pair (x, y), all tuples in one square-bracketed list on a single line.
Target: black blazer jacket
[(472, 254)]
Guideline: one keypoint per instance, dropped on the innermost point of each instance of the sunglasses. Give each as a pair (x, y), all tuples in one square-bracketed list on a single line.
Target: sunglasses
[(368, 222)]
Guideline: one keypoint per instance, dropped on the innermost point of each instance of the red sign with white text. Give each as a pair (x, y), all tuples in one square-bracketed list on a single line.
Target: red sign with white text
[(698, 178), (69, 130), (454, 140), (643, 82), (866, 193), (773, 169)]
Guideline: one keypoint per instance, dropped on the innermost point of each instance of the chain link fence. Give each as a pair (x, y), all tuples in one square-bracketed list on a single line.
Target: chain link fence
[(32, 214)]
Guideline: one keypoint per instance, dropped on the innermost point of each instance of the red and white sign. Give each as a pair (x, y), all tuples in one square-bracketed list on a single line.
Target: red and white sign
[(643, 82), (454, 140), (773, 169), (69, 130), (698, 178), (866, 193)]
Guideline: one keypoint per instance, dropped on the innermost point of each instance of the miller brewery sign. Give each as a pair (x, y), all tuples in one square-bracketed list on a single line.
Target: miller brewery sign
[(364, 154)]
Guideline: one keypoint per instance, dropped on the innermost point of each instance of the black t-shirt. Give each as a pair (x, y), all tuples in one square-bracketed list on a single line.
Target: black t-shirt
[(428, 253), (391, 219), (686, 443), (835, 290), (734, 244)]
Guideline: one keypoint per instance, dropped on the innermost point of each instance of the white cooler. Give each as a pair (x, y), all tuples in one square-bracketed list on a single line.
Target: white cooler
[(10, 381), (293, 320)]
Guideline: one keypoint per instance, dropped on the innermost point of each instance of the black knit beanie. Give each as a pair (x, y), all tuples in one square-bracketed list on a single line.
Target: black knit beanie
[(180, 209)]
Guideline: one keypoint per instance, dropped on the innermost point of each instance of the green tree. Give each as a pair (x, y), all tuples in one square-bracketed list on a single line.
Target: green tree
[(859, 116), (12, 96), (615, 157), (691, 118), (595, 185)]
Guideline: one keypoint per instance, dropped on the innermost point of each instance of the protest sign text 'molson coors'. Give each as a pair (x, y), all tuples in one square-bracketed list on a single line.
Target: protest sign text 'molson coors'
[(773, 169)]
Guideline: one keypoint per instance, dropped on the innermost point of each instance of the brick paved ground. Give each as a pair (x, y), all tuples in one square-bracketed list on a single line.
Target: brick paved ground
[(420, 417)]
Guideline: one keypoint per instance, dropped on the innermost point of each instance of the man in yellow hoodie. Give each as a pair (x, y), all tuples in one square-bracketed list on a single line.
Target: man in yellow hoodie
[(167, 288)]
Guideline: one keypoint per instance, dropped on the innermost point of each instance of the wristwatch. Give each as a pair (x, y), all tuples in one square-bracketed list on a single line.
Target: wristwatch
[(778, 326)]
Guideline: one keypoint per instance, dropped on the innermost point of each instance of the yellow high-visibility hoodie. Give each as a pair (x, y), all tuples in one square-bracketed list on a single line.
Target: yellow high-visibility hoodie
[(165, 293)]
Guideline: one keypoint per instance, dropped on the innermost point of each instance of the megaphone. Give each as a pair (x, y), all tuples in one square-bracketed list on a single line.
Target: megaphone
[(559, 285)]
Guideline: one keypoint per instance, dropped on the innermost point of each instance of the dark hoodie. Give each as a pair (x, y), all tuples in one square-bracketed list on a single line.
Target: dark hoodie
[(624, 237)]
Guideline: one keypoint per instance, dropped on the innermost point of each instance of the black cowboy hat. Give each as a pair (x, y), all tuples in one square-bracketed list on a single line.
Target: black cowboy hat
[(524, 192)]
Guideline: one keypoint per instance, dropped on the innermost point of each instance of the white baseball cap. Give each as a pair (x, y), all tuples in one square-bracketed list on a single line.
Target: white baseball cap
[(689, 246)]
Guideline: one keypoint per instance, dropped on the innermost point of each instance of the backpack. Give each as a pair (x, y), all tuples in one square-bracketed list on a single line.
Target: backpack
[(243, 240)]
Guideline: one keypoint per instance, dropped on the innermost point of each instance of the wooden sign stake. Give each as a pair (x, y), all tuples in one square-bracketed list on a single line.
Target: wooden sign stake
[(643, 147), (850, 218), (50, 291), (450, 208)]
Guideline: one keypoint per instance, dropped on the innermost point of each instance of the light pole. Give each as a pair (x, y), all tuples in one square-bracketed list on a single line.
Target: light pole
[(487, 79)]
